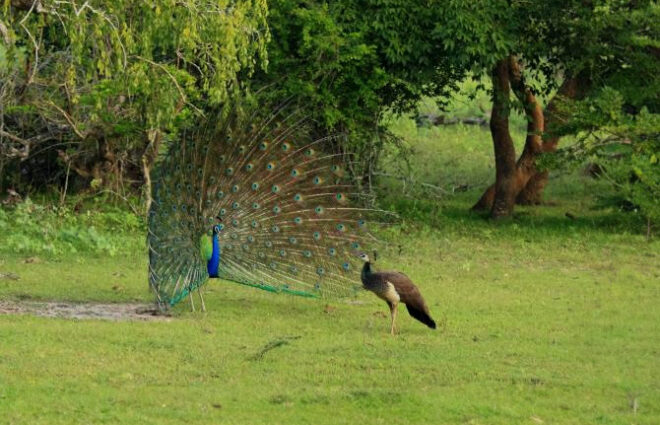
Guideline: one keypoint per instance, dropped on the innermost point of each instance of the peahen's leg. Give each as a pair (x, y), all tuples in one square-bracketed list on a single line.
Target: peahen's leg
[(192, 303), (201, 298), (393, 310)]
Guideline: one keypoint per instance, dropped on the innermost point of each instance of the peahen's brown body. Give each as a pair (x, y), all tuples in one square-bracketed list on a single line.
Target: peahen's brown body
[(395, 288)]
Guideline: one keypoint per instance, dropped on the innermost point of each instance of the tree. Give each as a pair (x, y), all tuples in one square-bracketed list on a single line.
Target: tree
[(349, 62), (98, 87), (530, 48)]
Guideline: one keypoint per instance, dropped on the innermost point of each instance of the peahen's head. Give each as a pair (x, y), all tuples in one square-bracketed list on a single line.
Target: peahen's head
[(364, 257)]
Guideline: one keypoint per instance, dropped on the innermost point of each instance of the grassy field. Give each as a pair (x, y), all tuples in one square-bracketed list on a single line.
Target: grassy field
[(542, 319)]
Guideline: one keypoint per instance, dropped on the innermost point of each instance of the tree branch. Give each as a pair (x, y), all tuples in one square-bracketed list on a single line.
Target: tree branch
[(68, 118), (5, 33), (184, 98), (533, 110), (14, 138)]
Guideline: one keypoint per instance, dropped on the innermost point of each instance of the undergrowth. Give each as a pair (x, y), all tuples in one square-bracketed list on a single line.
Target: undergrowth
[(33, 228), (430, 182)]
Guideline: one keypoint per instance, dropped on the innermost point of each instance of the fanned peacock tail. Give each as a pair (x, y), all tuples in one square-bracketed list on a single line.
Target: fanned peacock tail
[(288, 217)]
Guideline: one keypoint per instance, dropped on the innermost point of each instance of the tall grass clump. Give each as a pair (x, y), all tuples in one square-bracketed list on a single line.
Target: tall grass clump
[(32, 228)]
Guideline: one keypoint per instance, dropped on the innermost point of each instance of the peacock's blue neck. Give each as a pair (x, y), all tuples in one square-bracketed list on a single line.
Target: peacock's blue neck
[(214, 263)]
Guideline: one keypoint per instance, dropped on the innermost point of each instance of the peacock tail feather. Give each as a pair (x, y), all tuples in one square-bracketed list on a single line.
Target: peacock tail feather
[(290, 221)]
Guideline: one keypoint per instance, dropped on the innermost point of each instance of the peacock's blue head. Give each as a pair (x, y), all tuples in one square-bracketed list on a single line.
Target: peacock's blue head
[(218, 227)]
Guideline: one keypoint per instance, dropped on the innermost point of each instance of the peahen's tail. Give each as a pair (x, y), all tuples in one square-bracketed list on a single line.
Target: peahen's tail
[(422, 316)]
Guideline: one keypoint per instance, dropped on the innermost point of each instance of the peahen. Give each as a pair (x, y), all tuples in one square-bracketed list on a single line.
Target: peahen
[(395, 287), (263, 204)]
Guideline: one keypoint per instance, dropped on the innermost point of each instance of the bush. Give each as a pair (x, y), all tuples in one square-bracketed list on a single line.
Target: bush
[(30, 228)]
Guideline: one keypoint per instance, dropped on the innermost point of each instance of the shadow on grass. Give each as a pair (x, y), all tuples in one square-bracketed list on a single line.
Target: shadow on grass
[(557, 218)]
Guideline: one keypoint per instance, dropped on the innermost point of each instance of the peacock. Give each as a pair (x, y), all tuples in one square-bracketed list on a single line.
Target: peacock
[(395, 287), (257, 201)]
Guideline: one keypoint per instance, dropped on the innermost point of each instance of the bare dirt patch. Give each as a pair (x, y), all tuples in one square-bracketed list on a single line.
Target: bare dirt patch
[(62, 309)]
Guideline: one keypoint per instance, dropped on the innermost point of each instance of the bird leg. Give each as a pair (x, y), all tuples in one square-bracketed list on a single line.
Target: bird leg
[(192, 303), (393, 310), (201, 298)]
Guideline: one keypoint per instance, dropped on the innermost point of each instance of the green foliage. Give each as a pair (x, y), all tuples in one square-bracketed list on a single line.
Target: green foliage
[(350, 62), (107, 78), (610, 40), (31, 228), (624, 146)]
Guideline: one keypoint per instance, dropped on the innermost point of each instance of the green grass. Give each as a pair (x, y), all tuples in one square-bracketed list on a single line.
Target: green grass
[(541, 318), (561, 327)]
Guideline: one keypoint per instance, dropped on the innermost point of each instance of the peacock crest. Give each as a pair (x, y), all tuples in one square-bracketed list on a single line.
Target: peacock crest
[(286, 217)]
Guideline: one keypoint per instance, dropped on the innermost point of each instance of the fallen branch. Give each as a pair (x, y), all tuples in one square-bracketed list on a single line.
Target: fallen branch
[(436, 120), (411, 181), (273, 345)]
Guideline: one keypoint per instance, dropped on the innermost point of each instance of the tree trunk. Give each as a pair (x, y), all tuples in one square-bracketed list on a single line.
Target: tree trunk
[(505, 154), (528, 184), (571, 88), (148, 159)]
